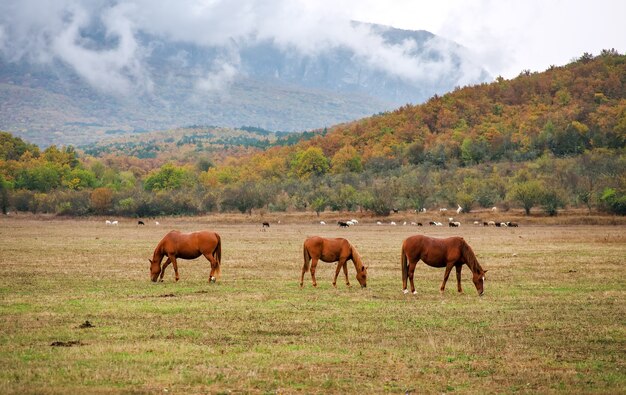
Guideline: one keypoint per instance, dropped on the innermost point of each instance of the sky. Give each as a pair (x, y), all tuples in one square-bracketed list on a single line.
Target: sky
[(502, 36), (509, 36)]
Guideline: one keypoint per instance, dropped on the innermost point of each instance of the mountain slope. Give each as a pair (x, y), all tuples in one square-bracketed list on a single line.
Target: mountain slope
[(257, 82), (564, 111)]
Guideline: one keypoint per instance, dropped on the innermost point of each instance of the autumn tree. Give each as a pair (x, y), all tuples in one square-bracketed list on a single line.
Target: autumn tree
[(101, 199), (347, 159)]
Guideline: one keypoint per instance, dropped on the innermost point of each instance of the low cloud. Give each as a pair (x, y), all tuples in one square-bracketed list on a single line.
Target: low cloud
[(64, 30)]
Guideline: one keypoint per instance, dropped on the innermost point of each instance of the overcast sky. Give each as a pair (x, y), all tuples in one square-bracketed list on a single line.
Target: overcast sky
[(509, 36), (503, 36)]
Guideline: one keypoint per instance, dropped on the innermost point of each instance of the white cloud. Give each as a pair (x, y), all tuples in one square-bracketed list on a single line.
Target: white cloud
[(503, 36)]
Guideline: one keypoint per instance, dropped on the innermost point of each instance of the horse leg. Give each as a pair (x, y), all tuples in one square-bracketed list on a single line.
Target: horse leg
[(213, 263), (458, 278), (337, 270), (302, 276), (345, 272), (313, 267), (175, 264), (166, 264), (445, 277), (411, 273)]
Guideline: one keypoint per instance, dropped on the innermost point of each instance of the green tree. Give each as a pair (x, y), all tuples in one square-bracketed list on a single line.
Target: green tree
[(551, 200), (474, 151), (244, 197), (41, 177), (12, 148), (527, 193), (613, 201), (319, 203), (78, 179), (310, 162), (169, 177), (5, 188)]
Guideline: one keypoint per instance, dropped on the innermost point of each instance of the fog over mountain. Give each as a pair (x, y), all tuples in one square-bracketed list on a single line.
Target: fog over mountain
[(72, 72)]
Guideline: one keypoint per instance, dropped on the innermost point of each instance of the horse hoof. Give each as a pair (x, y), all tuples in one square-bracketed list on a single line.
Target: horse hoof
[(414, 292), (405, 291), (212, 279)]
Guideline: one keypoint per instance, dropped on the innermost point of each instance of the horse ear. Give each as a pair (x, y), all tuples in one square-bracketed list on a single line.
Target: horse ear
[(150, 260)]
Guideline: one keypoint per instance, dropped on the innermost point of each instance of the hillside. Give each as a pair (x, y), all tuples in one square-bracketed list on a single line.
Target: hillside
[(255, 82), (545, 140)]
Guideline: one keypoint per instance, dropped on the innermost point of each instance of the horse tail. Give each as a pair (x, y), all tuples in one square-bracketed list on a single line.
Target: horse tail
[(405, 265), (218, 256), (307, 258)]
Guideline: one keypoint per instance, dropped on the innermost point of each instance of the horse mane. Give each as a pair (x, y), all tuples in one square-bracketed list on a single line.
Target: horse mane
[(470, 258), (356, 258)]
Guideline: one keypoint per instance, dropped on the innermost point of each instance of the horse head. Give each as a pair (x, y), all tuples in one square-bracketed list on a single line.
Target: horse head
[(361, 276), (361, 269), (479, 281), (155, 269)]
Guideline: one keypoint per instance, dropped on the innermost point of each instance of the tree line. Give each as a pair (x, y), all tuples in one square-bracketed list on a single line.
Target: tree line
[(58, 180)]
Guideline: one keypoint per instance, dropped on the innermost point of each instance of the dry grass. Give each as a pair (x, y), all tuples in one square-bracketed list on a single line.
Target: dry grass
[(551, 321)]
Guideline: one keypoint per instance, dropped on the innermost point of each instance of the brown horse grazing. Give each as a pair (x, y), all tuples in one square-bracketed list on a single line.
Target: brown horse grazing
[(186, 246), (332, 250), (448, 253)]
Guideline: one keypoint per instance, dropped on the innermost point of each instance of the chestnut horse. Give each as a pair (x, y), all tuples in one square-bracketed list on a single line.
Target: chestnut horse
[(332, 250), (448, 253), (186, 246)]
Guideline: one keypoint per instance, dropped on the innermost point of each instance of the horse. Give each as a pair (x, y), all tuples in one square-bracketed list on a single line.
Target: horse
[(186, 246), (332, 250), (266, 224), (448, 253), (342, 224), (140, 223)]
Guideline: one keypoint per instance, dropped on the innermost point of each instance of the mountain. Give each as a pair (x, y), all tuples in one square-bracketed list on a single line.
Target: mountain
[(256, 82)]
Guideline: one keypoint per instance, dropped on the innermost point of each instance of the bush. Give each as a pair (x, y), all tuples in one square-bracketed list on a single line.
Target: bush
[(613, 201)]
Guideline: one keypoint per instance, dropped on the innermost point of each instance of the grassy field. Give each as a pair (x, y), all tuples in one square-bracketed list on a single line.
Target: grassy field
[(553, 318)]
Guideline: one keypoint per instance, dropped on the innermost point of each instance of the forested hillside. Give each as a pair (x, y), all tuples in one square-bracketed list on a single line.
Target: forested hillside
[(540, 141)]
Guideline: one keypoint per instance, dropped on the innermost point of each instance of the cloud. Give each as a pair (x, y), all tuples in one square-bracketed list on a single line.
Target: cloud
[(113, 70), (64, 30)]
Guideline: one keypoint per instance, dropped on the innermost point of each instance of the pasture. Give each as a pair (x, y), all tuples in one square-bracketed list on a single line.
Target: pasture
[(78, 312)]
